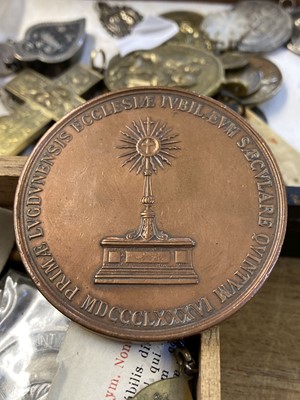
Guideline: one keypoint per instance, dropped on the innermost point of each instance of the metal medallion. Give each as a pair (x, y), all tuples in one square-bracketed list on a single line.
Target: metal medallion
[(225, 29), (271, 80), (233, 59), (270, 26), (190, 32), (243, 82), (150, 214), (251, 26), (171, 65), (118, 21), (166, 389), (51, 42)]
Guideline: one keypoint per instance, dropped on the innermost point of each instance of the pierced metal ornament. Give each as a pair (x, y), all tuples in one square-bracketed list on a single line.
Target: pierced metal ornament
[(51, 42), (48, 43), (118, 21)]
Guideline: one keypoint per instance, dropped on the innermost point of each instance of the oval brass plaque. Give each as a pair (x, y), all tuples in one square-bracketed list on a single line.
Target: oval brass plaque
[(150, 214)]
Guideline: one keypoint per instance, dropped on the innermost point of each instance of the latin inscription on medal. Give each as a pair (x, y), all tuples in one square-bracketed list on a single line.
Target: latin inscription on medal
[(166, 213)]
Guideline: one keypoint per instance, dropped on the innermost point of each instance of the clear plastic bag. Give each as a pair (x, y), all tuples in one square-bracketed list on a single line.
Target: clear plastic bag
[(31, 332)]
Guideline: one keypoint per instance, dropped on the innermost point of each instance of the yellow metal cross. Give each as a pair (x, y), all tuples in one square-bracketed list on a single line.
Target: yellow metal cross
[(44, 101)]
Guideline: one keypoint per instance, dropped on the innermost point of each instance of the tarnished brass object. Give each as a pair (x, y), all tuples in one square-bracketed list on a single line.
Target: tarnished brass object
[(172, 388), (44, 101), (150, 214), (189, 29), (271, 80), (117, 20), (172, 65)]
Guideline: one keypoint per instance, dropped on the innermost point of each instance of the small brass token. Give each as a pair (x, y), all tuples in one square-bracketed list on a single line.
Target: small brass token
[(150, 214), (171, 65)]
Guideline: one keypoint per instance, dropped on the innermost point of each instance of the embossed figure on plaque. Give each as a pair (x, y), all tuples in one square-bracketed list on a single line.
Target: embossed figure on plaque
[(147, 255)]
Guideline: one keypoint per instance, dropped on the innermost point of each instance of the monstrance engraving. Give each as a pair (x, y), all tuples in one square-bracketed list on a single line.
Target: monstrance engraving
[(147, 255)]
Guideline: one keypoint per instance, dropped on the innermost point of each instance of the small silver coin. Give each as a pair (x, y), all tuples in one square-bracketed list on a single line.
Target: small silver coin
[(270, 26)]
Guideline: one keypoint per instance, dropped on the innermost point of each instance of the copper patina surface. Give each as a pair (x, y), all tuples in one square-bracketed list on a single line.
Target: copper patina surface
[(150, 214)]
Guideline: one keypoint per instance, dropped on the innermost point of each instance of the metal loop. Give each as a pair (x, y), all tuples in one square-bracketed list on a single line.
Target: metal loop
[(186, 363), (94, 56)]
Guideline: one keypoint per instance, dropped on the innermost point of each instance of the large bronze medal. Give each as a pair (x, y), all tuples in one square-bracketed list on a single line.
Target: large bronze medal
[(150, 214)]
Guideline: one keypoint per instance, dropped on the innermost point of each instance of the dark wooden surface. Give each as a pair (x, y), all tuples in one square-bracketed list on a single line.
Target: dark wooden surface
[(260, 346)]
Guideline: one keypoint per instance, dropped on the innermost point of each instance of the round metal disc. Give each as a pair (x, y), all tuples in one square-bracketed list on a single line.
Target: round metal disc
[(232, 60), (150, 214), (270, 83), (172, 65), (270, 26), (243, 82)]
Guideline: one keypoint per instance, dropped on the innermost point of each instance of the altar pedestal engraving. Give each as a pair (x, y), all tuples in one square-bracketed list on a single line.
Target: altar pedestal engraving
[(147, 255)]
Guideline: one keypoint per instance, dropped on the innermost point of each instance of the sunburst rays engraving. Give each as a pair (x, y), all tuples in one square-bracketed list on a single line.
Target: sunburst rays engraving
[(148, 146)]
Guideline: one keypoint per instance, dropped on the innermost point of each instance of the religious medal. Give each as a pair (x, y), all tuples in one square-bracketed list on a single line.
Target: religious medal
[(243, 81), (173, 65), (48, 43), (270, 80), (172, 388), (253, 83), (44, 100), (251, 26), (118, 21), (270, 26), (150, 214)]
